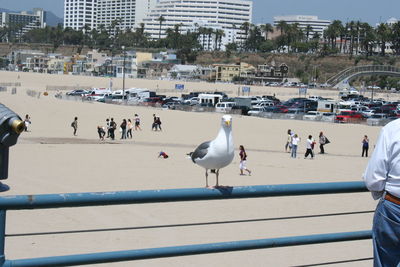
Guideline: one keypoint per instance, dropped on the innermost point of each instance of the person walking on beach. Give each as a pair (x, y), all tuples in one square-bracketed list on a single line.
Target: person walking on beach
[(243, 160), (27, 122), (365, 146), (112, 128), (123, 129), (158, 123), (74, 125), (295, 143), (101, 132), (322, 142), (108, 127), (137, 122), (130, 128), (154, 125), (288, 141), (382, 178), (309, 147)]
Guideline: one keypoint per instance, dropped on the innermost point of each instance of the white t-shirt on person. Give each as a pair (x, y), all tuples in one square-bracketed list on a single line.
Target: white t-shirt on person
[(295, 141)]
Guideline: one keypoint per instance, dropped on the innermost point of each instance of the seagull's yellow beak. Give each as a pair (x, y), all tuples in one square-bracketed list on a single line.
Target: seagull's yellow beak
[(228, 123)]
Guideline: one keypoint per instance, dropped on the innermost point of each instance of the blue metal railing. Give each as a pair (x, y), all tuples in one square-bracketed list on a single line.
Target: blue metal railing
[(172, 195)]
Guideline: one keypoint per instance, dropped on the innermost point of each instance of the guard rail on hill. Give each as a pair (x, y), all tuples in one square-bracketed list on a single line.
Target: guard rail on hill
[(353, 72), (23, 202)]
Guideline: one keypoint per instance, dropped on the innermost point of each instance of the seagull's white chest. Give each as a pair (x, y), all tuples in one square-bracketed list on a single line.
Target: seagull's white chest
[(220, 152)]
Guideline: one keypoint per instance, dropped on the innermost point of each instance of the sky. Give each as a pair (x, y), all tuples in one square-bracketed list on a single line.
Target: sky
[(264, 10)]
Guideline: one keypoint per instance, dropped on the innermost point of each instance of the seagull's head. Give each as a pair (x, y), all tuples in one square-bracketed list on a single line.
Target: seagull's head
[(226, 121)]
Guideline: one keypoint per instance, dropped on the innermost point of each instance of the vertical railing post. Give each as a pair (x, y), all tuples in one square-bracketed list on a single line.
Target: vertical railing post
[(2, 236)]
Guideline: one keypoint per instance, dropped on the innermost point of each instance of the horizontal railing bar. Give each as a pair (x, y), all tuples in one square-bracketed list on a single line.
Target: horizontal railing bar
[(173, 195), (140, 254)]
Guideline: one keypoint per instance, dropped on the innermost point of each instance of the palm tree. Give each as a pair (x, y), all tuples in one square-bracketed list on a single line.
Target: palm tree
[(245, 27), (395, 37), (161, 19), (383, 34), (218, 38), (267, 28), (209, 32), (282, 26), (308, 30)]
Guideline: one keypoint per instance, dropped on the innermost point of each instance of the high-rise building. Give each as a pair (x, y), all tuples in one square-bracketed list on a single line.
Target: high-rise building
[(78, 13), (228, 15), (317, 25), (123, 14), (24, 21)]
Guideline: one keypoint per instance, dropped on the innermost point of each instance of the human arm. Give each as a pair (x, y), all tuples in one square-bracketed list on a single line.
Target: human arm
[(375, 174)]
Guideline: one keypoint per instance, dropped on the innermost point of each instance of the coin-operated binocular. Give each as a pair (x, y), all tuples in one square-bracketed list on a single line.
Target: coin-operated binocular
[(11, 126)]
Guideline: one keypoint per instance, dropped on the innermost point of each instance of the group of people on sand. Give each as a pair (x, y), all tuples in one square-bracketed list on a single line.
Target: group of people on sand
[(293, 141), (125, 128)]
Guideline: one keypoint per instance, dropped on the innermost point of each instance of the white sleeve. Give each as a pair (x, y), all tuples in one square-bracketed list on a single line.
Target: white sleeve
[(375, 174)]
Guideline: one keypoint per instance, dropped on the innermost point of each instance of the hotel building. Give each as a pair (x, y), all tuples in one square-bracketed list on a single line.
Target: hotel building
[(26, 20), (318, 25), (127, 13), (227, 15)]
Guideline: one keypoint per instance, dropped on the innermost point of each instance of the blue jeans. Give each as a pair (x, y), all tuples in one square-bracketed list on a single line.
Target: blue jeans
[(386, 234), (294, 151)]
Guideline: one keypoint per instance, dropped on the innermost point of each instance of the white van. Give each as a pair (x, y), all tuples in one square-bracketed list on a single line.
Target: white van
[(98, 93), (224, 106), (209, 99)]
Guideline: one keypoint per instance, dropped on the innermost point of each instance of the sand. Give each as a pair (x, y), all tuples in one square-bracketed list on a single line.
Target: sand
[(49, 159)]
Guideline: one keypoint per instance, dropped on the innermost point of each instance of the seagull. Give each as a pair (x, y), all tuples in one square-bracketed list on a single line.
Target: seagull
[(218, 153)]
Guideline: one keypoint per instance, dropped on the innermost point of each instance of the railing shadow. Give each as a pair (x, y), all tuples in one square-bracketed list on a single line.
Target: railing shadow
[(189, 224)]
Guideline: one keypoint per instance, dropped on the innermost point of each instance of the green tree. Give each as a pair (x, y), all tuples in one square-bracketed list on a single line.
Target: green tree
[(266, 29), (383, 36), (161, 20)]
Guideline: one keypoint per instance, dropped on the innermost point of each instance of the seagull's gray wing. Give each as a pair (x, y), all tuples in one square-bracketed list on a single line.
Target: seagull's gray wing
[(200, 151)]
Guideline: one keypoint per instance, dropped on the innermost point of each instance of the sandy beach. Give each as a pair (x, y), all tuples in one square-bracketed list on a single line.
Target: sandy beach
[(49, 159)]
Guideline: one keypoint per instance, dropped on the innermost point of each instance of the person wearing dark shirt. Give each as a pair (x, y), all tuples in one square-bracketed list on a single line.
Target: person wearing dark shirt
[(243, 159)]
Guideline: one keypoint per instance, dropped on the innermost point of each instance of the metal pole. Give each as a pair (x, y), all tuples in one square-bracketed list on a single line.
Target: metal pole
[(163, 252), (123, 76), (174, 195), (2, 236)]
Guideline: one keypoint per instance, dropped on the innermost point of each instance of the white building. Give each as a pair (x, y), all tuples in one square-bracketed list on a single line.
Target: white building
[(78, 13), (126, 13), (228, 15), (129, 13), (318, 25), (26, 20)]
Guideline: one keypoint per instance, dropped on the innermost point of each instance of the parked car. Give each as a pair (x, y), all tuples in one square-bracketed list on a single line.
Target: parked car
[(312, 116), (171, 105), (377, 119), (348, 117), (294, 113), (272, 98), (192, 101), (256, 111), (328, 117), (368, 113), (242, 110), (224, 106), (79, 92), (151, 101), (265, 103)]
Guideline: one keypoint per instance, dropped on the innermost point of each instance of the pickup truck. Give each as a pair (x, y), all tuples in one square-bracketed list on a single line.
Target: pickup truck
[(348, 117)]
